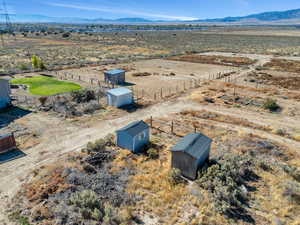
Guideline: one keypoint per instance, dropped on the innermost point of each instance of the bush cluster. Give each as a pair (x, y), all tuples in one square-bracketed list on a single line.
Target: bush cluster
[(37, 63), (175, 177), (226, 179), (271, 105), (83, 95)]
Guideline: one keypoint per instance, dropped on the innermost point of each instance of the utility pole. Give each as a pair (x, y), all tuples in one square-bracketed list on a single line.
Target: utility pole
[(8, 27)]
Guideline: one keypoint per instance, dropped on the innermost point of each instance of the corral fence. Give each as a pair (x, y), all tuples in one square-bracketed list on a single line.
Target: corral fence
[(170, 127), (156, 94)]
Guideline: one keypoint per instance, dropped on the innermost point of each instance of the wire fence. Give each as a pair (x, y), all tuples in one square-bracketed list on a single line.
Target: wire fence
[(170, 127), (154, 94)]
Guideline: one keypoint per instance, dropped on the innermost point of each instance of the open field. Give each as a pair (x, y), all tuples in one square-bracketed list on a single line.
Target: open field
[(46, 86), (249, 104), (80, 49)]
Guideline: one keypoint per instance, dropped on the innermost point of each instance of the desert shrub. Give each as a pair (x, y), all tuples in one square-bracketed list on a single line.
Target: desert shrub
[(83, 95), (175, 177), (88, 204), (264, 165), (66, 35), (226, 181), (144, 74), (97, 146), (292, 171), (153, 153), (23, 67), (17, 217), (280, 131), (292, 192), (271, 105), (43, 100)]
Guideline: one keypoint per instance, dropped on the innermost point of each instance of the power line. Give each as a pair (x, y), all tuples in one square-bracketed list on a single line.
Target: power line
[(8, 27)]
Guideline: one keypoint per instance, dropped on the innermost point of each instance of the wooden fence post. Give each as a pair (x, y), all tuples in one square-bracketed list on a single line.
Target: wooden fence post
[(172, 127), (195, 129), (151, 122), (161, 93)]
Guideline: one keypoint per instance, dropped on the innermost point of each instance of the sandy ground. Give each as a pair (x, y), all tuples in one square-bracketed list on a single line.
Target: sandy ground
[(160, 70), (59, 136)]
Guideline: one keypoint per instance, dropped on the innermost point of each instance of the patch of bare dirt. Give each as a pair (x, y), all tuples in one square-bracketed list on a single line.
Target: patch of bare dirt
[(214, 59)]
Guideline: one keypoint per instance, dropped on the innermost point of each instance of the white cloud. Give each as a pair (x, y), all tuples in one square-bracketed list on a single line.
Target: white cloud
[(123, 11)]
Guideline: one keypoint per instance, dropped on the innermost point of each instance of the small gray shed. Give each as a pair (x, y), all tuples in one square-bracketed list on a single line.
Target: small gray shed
[(115, 76), (134, 136), (119, 97), (190, 153), (4, 93)]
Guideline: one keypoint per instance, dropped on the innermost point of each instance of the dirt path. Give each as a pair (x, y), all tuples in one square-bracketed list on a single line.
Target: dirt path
[(13, 173)]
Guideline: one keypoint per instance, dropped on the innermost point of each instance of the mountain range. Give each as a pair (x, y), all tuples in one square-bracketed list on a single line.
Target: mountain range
[(289, 16)]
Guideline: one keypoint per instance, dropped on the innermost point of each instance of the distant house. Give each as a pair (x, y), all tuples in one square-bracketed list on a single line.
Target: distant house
[(4, 93), (7, 142), (115, 76), (119, 97), (134, 136), (190, 153)]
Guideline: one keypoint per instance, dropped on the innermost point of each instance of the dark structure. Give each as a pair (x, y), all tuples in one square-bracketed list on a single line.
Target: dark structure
[(7, 143), (115, 76), (134, 136), (190, 153)]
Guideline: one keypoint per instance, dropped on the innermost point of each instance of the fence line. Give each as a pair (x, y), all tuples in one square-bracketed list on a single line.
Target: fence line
[(159, 94), (171, 127)]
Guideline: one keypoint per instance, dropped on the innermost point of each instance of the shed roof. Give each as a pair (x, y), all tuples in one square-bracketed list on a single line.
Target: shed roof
[(135, 128), (119, 91), (193, 144), (115, 71)]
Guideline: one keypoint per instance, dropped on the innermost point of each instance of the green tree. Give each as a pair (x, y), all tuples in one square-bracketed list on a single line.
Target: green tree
[(35, 61)]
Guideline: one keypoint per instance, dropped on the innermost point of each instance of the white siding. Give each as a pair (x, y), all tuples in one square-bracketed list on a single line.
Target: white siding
[(120, 100)]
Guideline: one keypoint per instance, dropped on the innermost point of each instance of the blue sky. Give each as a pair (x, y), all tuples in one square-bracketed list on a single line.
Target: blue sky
[(150, 9)]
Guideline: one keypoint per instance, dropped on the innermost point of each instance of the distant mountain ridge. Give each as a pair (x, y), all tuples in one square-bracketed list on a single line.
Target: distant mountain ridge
[(288, 15), (265, 17)]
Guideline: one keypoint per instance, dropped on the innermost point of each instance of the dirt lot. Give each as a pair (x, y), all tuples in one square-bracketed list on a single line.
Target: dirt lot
[(232, 113), (166, 75)]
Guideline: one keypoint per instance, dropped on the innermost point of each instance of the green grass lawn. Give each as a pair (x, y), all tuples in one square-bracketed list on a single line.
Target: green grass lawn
[(46, 86)]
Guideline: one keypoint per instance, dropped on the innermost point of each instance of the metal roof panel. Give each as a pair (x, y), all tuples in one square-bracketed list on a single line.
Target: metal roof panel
[(119, 91), (115, 71), (193, 144)]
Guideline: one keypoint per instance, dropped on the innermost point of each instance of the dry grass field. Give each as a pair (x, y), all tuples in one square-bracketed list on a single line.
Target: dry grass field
[(74, 173), (81, 49)]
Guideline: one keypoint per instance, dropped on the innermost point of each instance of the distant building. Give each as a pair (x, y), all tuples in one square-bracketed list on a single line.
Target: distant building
[(119, 97), (7, 142), (4, 93), (115, 76), (134, 136), (190, 153)]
